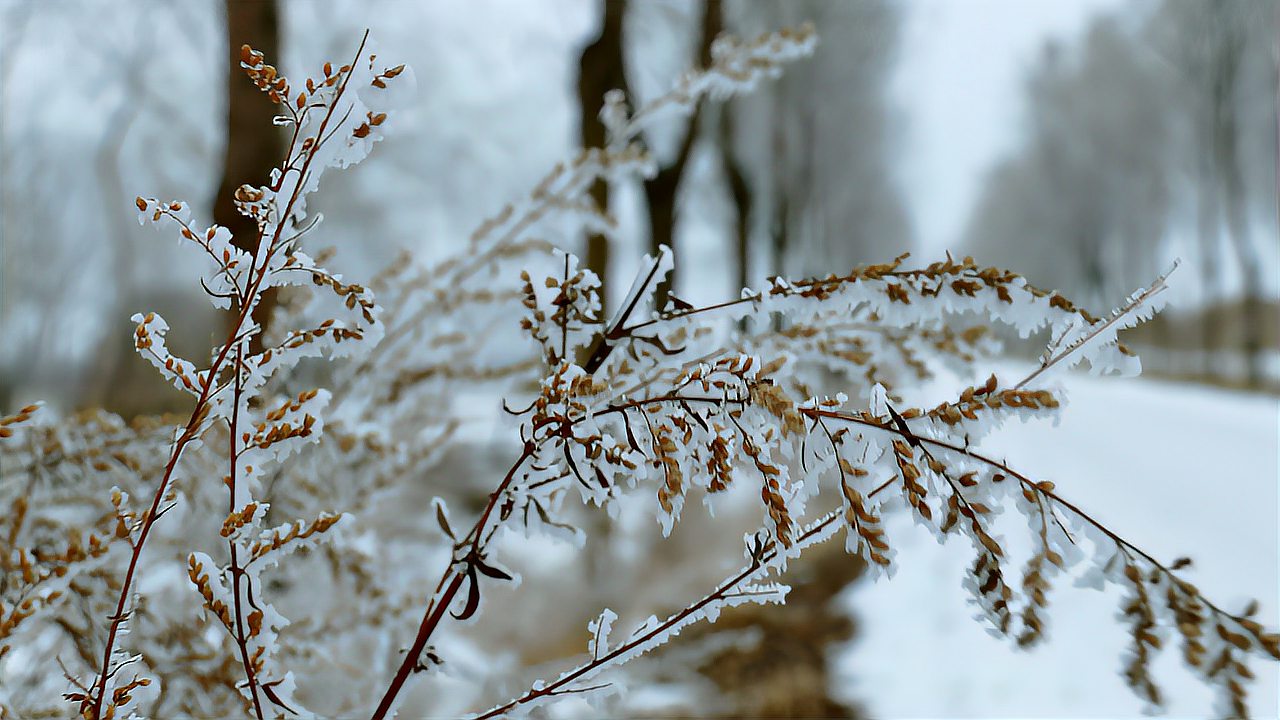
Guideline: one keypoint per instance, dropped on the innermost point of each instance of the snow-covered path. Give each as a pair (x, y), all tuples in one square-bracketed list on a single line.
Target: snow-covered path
[(1177, 470)]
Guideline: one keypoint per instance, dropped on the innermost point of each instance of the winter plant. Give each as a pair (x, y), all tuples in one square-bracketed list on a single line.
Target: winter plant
[(149, 568)]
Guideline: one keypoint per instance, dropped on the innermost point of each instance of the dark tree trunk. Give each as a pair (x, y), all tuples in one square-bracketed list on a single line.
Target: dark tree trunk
[(254, 144), (600, 70), (740, 193), (662, 190)]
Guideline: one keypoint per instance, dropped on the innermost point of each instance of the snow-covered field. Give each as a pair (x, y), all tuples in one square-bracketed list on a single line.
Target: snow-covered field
[(1176, 469)]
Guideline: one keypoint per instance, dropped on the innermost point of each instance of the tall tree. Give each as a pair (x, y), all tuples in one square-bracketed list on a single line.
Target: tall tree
[(735, 172), (1222, 53), (600, 69), (819, 144), (1084, 203), (254, 145), (661, 191)]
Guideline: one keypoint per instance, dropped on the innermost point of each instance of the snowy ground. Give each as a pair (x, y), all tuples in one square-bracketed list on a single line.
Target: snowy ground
[(1178, 470)]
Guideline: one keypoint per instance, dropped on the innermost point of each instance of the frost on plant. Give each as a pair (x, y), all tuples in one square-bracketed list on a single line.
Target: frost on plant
[(255, 557)]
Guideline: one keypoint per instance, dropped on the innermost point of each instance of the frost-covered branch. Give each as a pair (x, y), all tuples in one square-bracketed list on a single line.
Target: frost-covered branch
[(764, 557), (790, 395), (319, 114)]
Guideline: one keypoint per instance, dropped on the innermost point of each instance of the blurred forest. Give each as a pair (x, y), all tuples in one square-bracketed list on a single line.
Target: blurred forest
[(1155, 138), (1151, 136)]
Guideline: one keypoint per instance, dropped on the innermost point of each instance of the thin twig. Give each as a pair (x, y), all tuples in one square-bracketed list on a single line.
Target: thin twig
[(192, 428)]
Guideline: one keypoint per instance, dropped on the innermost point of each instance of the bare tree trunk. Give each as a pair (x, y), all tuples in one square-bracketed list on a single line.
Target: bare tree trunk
[(254, 144), (782, 228), (739, 192), (1251, 341), (662, 190), (600, 70), (660, 195), (779, 223)]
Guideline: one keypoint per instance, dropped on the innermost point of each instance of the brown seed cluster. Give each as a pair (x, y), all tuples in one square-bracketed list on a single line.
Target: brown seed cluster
[(860, 520), (1195, 619), (719, 464), (1141, 614), (964, 278), (200, 578), (774, 399), (7, 423), (771, 494), (1034, 586), (269, 80), (25, 571), (353, 294), (296, 530), (574, 308), (237, 519), (992, 590), (272, 429), (667, 458), (912, 489), (979, 399), (120, 697)]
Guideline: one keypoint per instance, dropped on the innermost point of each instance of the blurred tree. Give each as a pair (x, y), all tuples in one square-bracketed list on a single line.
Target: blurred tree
[(603, 67), (1149, 115), (254, 143), (735, 172), (1223, 54), (600, 69), (68, 176), (817, 148), (661, 190), (1084, 204)]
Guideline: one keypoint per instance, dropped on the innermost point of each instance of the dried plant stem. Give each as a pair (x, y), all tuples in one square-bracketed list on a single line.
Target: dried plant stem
[(456, 276), (237, 573), (725, 590), (441, 602), (188, 434), (199, 412), (558, 687), (561, 685), (1156, 288)]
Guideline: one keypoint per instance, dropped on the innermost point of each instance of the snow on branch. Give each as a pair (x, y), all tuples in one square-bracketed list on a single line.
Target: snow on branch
[(295, 484)]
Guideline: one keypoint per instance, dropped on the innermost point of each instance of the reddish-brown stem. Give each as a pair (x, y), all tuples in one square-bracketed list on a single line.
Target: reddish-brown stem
[(236, 572), (757, 297), (555, 687), (435, 613), (440, 604), (188, 434), (198, 413)]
